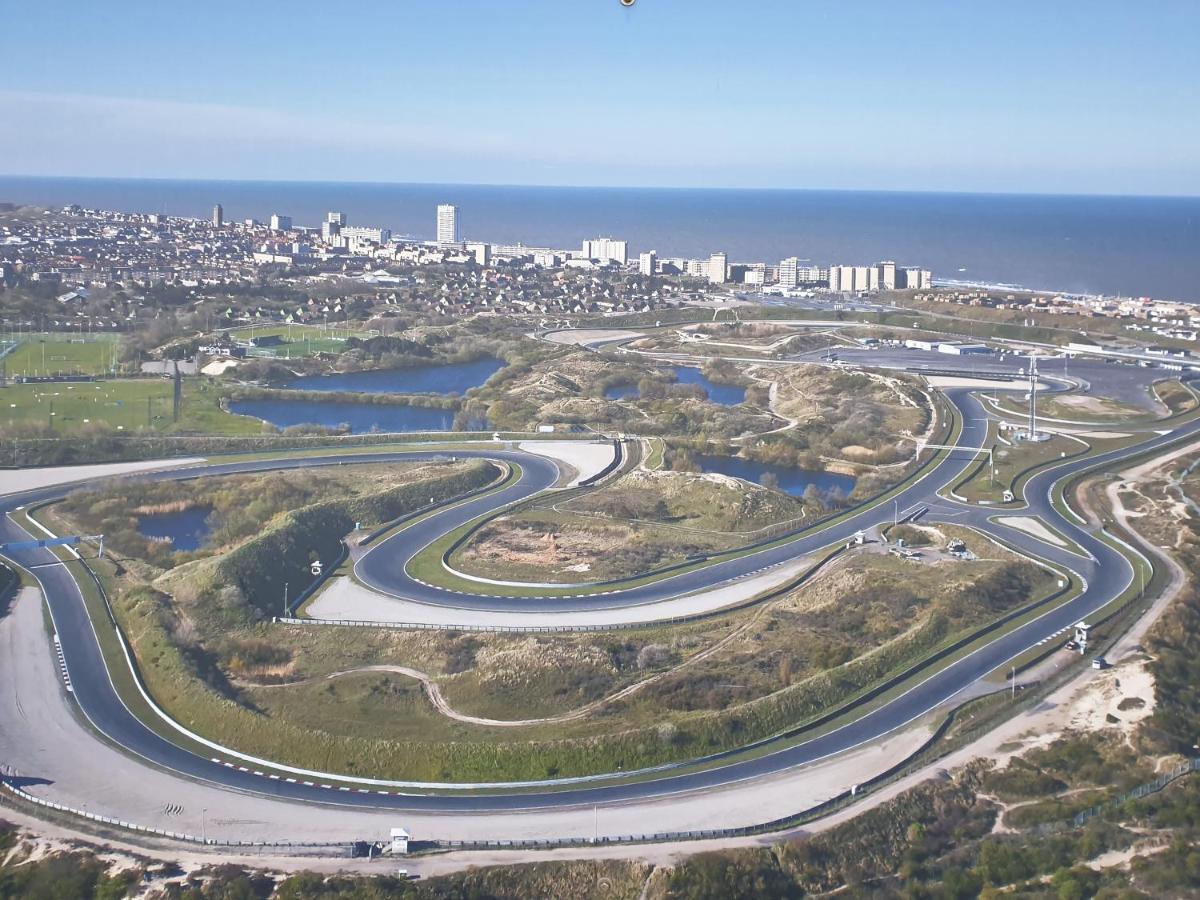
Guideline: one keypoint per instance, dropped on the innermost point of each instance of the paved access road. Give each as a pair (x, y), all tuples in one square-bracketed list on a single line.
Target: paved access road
[(1107, 574)]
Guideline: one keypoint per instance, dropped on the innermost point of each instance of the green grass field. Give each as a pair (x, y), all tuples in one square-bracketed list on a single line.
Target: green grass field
[(299, 340), (56, 355), (122, 405)]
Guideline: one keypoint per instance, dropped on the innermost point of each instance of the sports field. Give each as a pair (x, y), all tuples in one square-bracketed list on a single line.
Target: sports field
[(58, 355), (298, 340), (123, 405)]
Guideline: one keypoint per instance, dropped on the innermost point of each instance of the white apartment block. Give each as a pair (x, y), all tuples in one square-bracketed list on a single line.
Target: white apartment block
[(447, 224), (718, 268), (606, 250)]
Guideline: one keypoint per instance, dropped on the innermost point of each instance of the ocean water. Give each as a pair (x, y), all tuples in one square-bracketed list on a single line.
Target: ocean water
[(1115, 245)]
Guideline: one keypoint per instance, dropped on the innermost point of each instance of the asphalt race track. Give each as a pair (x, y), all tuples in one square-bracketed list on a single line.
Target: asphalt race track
[(1106, 576)]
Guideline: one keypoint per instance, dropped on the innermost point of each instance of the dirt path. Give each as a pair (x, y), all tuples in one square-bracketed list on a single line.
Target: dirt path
[(434, 692), (772, 405)]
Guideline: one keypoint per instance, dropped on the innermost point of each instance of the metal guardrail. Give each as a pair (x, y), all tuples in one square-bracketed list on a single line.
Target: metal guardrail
[(148, 829)]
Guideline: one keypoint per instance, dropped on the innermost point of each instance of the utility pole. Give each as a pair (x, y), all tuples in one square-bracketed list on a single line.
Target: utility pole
[(1014, 682), (285, 593), (204, 825)]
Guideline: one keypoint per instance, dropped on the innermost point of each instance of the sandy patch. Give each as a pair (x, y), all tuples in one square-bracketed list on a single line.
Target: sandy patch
[(583, 337), (1034, 528), (1087, 403), (1139, 471), (1099, 704), (13, 480), (219, 366), (966, 381), (582, 458)]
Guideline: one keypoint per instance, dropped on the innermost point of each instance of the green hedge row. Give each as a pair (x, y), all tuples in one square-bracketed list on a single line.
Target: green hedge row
[(284, 552)]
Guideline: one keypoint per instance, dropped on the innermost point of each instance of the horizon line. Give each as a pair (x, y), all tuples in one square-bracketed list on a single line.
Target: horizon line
[(599, 187)]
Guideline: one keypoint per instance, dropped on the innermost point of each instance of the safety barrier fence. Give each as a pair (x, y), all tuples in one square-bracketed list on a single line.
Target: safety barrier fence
[(27, 797), (505, 474), (1137, 793), (1114, 803)]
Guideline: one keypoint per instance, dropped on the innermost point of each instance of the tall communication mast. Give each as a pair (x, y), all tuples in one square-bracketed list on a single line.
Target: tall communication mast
[(1031, 431), (1033, 374)]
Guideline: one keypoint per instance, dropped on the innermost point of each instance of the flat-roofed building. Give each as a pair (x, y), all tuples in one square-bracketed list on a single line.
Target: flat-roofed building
[(718, 268)]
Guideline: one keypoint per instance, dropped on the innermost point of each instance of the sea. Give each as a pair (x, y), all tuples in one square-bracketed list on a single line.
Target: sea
[(1114, 245)]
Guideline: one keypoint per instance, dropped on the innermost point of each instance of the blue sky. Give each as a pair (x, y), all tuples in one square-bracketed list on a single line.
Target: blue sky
[(1060, 96)]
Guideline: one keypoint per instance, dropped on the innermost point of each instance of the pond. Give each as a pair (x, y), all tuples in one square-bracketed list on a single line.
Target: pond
[(186, 529), (791, 480), (361, 417), (455, 378), (723, 394)]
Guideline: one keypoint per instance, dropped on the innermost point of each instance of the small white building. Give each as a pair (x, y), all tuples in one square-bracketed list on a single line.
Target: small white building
[(918, 344), (399, 841), (959, 348)]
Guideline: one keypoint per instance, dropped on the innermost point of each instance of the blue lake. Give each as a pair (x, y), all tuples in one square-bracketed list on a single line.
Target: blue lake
[(724, 394), (361, 417), (186, 530), (791, 480), (455, 378), (623, 391)]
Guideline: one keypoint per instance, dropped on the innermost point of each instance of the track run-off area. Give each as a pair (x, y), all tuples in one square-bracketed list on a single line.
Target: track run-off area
[(1097, 571)]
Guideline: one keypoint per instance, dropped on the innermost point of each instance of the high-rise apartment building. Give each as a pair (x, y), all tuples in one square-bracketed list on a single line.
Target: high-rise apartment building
[(789, 272), (607, 250), (853, 279), (917, 279), (718, 268), (447, 224), (280, 223), (218, 216), (336, 218), (647, 263), (887, 275)]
